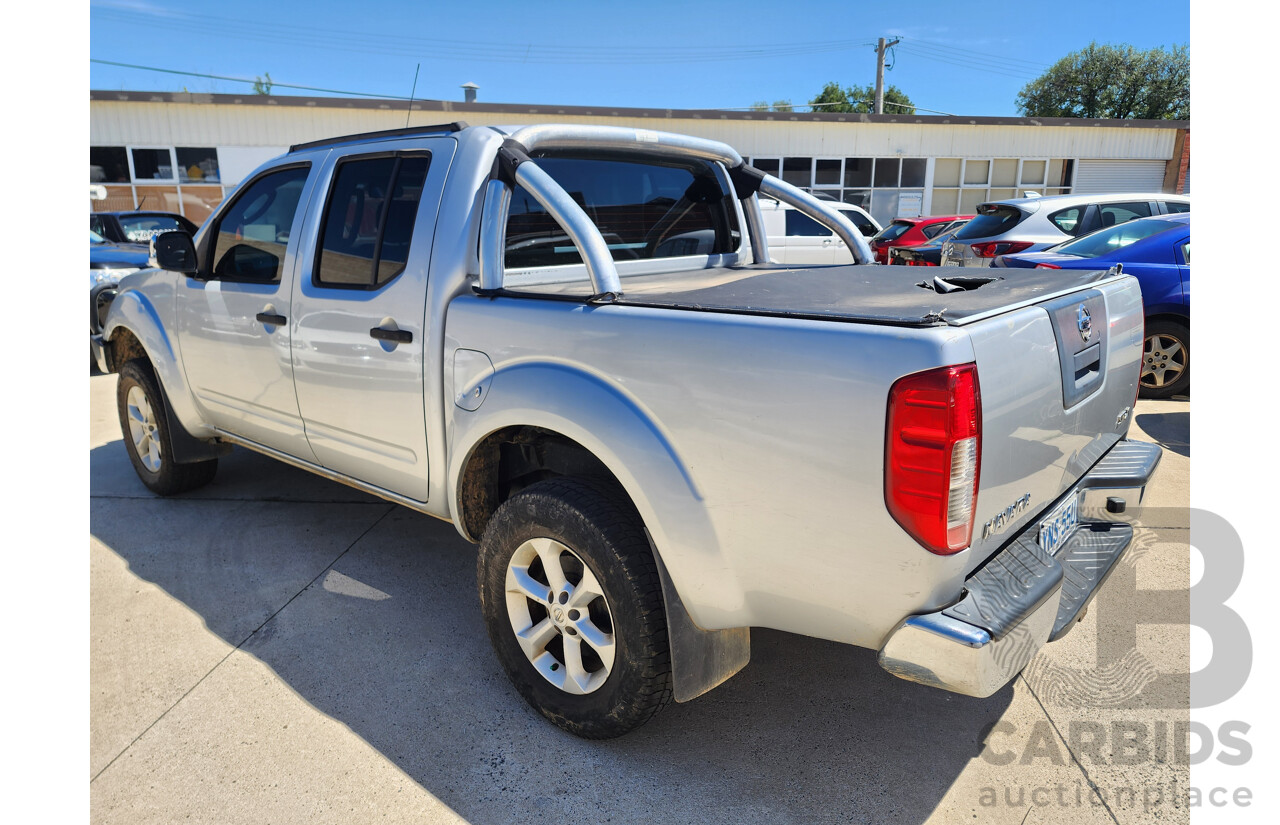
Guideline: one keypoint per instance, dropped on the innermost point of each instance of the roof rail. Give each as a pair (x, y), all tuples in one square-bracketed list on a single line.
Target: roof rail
[(456, 126)]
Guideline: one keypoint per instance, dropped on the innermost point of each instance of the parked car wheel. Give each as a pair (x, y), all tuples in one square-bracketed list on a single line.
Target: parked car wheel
[(146, 435), (573, 603), (1166, 360)]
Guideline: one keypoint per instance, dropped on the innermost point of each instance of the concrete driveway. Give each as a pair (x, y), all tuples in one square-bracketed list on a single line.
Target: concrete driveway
[(279, 648)]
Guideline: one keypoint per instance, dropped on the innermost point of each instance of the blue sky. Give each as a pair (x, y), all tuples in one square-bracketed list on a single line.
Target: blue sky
[(967, 59)]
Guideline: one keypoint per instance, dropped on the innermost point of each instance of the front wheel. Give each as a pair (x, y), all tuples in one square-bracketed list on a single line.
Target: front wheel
[(146, 435), (573, 603), (1166, 360)]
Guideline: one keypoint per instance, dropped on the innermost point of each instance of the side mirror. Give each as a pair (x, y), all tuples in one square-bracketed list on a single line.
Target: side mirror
[(175, 251)]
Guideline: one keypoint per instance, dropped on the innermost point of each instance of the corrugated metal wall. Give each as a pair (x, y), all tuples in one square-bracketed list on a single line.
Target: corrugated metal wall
[(253, 124), (1095, 176)]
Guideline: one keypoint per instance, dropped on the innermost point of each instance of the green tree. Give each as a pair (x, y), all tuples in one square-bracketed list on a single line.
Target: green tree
[(861, 99), (777, 106), (1113, 82), (262, 87)]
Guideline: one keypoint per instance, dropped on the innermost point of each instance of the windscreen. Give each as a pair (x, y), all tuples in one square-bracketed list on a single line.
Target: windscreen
[(142, 228), (1109, 240), (992, 219)]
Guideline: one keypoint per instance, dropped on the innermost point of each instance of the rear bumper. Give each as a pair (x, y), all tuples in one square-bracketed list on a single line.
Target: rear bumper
[(1024, 597)]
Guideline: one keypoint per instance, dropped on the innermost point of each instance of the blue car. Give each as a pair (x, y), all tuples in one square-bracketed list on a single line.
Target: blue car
[(1158, 252)]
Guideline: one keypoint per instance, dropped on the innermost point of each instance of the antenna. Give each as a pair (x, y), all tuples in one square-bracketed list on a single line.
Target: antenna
[(411, 94)]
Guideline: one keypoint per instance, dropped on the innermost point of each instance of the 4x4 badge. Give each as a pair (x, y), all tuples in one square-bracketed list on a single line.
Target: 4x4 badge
[(1084, 322)]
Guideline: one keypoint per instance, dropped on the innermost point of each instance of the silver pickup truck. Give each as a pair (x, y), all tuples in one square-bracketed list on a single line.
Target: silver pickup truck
[(570, 342)]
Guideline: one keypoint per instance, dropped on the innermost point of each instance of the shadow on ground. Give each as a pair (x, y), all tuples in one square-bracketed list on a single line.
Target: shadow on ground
[(390, 642), (1172, 430)]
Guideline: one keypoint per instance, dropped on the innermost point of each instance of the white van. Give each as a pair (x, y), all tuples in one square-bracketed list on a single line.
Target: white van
[(796, 238)]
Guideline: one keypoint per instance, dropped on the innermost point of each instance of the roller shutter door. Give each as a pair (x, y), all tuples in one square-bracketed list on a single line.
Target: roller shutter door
[(1103, 176)]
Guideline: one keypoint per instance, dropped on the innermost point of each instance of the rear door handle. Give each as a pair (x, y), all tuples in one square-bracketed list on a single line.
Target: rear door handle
[(397, 336), (271, 318)]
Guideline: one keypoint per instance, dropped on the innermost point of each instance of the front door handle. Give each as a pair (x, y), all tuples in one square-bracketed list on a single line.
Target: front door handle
[(396, 336), (271, 318)]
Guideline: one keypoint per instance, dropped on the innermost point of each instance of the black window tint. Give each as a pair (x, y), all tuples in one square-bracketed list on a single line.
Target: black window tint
[(887, 172), (369, 220), (798, 171), (913, 172), (197, 165), (406, 193), (991, 220), (95, 225), (857, 172), (827, 172), (152, 164), (108, 164), (1173, 207), (861, 221), (1116, 213), (643, 210), (1068, 220), (801, 224), (893, 231), (253, 233), (770, 166), (932, 229)]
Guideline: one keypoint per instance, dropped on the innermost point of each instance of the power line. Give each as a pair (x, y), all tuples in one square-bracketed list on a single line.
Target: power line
[(244, 80), (966, 64), (440, 49), (946, 47)]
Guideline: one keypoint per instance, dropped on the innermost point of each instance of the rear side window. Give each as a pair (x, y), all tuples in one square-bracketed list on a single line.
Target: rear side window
[(369, 219), (933, 229), (1068, 220), (1174, 207), (894, 231), (643, 210), (1117, 213), (992, 219), (798, 223), (253, 234)]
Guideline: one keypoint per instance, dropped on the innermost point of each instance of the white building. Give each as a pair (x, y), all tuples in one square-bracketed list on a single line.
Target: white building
[(183, 152)]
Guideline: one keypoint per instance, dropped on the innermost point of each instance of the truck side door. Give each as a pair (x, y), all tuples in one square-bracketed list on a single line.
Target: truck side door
[(233, 317), (359, 311)]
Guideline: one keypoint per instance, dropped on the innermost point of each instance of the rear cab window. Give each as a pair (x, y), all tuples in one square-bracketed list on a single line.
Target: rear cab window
[(992, 219), (644, 210)]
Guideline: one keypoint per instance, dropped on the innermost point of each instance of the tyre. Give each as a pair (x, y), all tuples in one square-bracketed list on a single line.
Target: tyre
[(573, 604), (1166, 360), (146, 435)]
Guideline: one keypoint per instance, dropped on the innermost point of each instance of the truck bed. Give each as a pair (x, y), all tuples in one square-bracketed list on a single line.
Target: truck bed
[(893, 295)]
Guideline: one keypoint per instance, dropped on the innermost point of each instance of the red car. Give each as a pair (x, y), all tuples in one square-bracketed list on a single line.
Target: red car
[(910, 232)]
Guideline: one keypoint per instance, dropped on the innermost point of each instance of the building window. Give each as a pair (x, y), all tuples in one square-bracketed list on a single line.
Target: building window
[(152, 164), (108, 164), (197, 165)]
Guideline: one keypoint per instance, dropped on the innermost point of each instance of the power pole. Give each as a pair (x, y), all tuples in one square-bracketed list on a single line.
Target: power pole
[(880, 50)]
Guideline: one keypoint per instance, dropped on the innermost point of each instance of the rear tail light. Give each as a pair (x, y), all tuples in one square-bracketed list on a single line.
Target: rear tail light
[(933, 449), (1047, 266), (921, 263), (990, 249)]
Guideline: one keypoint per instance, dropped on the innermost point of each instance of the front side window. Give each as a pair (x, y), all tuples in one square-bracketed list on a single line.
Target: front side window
[(253, 233), (656, 209), (369, 220), (1174, 207), (864, 224)]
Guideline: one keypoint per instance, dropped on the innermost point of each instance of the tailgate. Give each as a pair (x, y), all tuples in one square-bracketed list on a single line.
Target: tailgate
[(1058, 382)]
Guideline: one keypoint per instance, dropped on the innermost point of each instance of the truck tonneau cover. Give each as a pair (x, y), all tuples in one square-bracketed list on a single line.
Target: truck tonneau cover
[(898, 295)]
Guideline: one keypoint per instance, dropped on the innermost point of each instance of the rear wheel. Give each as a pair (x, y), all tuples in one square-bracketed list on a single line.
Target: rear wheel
[(146, 435), (573, 603), (1166, 360)]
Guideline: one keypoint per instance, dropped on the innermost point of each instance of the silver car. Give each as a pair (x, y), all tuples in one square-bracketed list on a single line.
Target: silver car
[(1031, 224)]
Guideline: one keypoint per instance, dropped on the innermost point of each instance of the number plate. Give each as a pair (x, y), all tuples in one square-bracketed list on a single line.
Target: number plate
[(1056, 526)]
